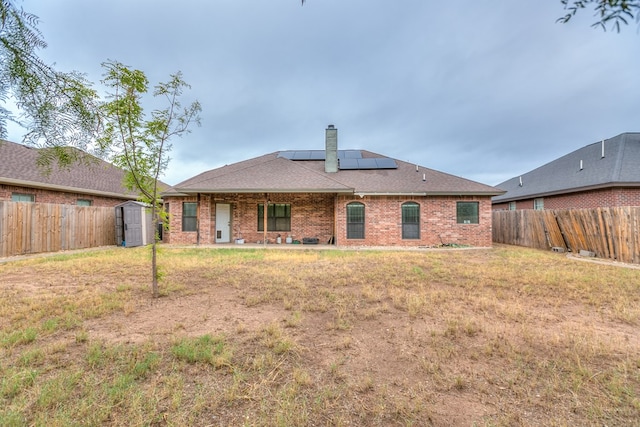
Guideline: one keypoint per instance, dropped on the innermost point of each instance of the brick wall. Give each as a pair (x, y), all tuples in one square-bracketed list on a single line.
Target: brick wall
[(175, 234), (311, 216), (595, 199), (438, 222), (610, 197), (57, 197), (314, 215)]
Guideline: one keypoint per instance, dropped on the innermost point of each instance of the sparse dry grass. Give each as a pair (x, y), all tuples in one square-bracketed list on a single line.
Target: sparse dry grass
[(500, 337)]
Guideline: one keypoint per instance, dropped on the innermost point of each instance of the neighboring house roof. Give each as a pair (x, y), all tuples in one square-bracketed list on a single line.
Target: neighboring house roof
[(276, 173), (18, 166), (584, 169)]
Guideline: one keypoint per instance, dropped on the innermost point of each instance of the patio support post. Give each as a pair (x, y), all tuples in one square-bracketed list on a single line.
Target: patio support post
[(198, 219), (265, 214)]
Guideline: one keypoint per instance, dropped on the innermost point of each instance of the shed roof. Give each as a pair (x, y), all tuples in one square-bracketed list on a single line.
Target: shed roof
[(609, 163)]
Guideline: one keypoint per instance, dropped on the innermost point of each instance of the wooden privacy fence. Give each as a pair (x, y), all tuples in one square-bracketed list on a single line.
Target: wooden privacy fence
[(27, 228), (612, 233)]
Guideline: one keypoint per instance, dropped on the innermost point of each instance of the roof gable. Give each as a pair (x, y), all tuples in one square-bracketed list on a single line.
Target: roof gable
[(583, 169), (90, 176), (277, 173), (265, 173)]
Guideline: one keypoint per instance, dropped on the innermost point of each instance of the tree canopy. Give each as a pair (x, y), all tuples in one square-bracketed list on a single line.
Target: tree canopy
[(57, 109)]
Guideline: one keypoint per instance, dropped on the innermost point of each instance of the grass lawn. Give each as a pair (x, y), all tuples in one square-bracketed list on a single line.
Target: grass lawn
[(251, 337)]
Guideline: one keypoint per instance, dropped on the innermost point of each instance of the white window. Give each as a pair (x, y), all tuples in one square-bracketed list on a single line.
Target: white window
[(512, 206), (538, 204), (22, 197)]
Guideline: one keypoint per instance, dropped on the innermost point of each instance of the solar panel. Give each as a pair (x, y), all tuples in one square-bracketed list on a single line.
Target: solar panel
[(386, 163), (286, 154), (346, 164), (349, 154), (369, 163), (317, 154), (301, 155), (348, 159)]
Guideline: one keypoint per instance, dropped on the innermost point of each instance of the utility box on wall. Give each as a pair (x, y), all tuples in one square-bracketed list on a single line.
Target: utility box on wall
[(134, 225)]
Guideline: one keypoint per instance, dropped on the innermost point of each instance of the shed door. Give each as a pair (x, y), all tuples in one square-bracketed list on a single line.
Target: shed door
[(133, 225), (223, 223)]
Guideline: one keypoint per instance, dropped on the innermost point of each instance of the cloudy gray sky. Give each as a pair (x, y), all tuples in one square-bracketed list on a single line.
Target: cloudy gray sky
[(486, 90)]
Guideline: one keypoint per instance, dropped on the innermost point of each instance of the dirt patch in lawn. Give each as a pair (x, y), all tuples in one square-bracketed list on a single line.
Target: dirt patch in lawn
[(492, 337), (389, 354)]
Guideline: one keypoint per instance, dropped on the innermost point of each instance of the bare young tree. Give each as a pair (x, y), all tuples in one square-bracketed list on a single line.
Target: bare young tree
[(139, 145)]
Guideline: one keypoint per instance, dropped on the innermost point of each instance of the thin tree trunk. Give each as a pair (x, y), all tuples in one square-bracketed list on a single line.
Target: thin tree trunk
[(154, 271), (154, 266)]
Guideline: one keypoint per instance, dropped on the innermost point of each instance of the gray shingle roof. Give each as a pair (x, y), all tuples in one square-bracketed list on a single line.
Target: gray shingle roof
[(270, 173), (18, 167), (620, 166)]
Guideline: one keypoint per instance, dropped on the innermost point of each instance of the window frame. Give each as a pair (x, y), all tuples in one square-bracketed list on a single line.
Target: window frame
[(189, 222), (355, 229), (466, 218), (84, 202), (167, 212), (410, 230), (512, 206), (278, 217), (17, 197), (538, 204)]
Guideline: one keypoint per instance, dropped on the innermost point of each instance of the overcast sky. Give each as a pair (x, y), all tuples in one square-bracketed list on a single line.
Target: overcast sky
[(485, 90)]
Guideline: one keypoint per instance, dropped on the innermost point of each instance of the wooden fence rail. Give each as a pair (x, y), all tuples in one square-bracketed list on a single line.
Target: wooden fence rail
[(27, 228), (612, 233)]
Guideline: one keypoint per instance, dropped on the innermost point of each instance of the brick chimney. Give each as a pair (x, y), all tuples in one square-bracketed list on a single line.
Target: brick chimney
[(331, 150)]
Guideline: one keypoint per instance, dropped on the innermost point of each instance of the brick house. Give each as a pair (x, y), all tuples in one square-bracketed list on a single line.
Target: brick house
[(90, 183), (602, 174), (344, 197)]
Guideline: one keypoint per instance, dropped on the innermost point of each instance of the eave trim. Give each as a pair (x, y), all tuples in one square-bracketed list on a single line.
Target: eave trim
[(567, 191), (40, 185)]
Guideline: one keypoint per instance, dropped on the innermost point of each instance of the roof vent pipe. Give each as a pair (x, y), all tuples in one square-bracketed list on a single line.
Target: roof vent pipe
[(520, 184), (424, 176), (331, 150), (581, 165), (602, 156)]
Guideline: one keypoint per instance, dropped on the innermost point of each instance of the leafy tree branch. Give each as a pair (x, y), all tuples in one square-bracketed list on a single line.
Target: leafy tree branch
[(608, 12), (58, 109)]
